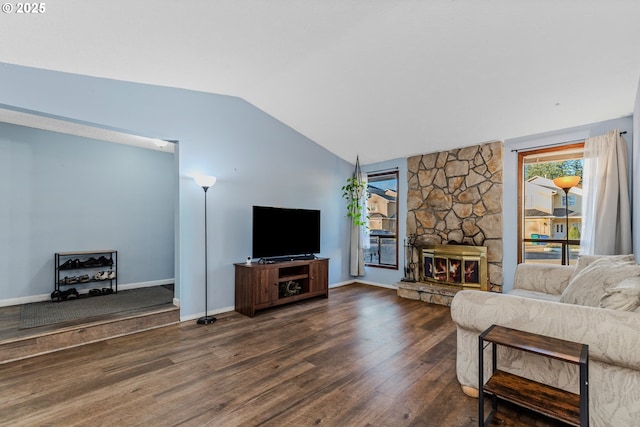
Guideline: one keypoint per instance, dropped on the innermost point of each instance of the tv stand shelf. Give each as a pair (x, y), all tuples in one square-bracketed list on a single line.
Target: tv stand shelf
[(260, 286)]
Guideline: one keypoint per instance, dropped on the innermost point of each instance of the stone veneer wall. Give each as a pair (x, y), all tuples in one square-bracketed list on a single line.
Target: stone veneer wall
[(457, 196)]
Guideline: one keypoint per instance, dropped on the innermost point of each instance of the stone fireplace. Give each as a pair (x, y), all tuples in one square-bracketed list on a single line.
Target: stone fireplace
[(455, 197)]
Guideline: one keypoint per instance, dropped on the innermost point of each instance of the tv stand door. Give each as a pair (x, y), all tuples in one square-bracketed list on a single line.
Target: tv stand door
[(319, 277)]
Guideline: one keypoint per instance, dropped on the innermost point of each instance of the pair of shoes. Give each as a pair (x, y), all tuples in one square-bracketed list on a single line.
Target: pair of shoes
[(70, 294), (69, 280), (91, 262), (104, 262), (70, 264), (58, 295), (105, 275)]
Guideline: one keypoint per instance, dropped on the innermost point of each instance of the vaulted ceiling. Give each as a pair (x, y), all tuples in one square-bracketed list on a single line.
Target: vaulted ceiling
[(377, 78)]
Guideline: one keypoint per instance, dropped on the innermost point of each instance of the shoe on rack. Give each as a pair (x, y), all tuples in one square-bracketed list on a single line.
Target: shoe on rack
[(95, 292), (105, 262), (67, 265), (101, 275), (69, 280), (56, 296), (91, 262), (84, 278), (70, 294), (111, 274), (107, 291)]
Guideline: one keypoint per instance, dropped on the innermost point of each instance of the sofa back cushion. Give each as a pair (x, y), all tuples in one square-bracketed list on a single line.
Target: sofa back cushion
[(546, 278), (589, 285), (623, 296), (585, 260)]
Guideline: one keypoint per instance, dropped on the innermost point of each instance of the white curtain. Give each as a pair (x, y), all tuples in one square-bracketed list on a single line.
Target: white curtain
[(359, 233), (606, 212)]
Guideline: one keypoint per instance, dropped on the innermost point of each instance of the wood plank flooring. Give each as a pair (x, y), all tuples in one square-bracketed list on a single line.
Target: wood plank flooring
[(362, 357)]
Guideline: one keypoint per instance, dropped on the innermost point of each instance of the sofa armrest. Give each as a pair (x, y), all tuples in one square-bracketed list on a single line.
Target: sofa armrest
[(546, 278), (613, 336)]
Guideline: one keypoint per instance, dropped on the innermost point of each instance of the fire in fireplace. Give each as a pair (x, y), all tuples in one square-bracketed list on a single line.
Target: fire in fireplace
[(457, 265)]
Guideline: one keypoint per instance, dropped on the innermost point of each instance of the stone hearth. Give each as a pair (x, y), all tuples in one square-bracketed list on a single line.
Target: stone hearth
[(428, 292)]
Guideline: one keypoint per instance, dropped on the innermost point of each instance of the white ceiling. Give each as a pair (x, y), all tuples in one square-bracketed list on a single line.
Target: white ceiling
[(378, 78)]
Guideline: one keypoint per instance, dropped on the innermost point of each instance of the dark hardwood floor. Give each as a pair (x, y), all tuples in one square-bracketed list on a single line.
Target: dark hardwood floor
[(362, 357)]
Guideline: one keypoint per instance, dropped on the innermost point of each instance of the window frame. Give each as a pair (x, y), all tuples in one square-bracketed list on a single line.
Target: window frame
[(520, 199), (394, 174)]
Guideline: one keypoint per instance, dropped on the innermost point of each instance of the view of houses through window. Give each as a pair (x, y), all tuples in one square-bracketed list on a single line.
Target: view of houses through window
[(382, 207), (545, 210)]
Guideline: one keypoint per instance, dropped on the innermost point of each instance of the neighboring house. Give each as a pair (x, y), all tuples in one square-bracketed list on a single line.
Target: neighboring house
[(545, 209), (383, 209)]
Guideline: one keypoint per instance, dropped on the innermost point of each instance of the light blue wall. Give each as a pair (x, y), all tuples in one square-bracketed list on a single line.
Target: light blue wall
[(511, 178), (386, 276), (64, 193), (257, 159)]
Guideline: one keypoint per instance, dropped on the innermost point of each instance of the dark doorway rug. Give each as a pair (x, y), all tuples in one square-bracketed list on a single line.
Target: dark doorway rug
[(48, 313)]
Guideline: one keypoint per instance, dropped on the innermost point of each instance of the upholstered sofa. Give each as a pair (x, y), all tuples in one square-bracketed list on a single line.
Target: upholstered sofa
[(595, 303)]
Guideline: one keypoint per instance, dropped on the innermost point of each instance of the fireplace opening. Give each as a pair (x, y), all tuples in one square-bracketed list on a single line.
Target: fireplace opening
[(455, 265)]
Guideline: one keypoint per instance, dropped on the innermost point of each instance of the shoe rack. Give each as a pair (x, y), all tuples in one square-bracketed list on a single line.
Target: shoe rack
[(79, 268)]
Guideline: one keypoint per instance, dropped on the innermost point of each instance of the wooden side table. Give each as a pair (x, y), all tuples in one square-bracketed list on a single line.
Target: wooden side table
[(562, 405)]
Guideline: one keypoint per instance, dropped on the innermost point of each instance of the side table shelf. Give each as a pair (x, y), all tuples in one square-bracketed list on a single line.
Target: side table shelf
[(92, 266), (553, 402)]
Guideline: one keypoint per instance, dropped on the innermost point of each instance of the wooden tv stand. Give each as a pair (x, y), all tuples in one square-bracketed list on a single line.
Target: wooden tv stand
[(260, 286)]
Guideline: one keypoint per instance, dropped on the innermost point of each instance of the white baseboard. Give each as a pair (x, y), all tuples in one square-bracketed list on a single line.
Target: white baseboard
[(47, 297), (209, 313), (379, 285), (339, 284)]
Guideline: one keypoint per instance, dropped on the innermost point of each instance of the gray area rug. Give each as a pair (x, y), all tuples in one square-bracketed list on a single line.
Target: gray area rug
[(48, 313)]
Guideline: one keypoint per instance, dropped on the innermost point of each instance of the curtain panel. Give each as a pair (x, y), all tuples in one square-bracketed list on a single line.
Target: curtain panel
[(606, 209)]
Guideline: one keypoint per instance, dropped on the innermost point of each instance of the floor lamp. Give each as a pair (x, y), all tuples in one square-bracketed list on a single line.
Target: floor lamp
[(566, 183), (205, 182)]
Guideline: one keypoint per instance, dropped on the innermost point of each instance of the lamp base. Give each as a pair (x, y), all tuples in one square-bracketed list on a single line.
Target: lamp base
[(205, 320)]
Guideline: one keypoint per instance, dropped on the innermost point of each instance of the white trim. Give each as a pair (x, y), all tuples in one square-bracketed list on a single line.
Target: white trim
[(146, 284), (364, 282), (47, 297), (339, 284), (209, 313), (379, 285)]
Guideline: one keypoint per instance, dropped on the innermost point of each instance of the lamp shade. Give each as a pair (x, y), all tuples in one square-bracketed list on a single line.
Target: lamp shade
[(205, 181), (566, 182)]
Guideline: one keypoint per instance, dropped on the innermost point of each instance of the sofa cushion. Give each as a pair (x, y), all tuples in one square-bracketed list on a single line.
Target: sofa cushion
[(585, 260), (590, 284), (623, 296), (534, 294)]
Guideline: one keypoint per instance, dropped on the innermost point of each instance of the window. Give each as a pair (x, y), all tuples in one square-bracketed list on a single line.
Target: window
[(546, 214), (382, 208)]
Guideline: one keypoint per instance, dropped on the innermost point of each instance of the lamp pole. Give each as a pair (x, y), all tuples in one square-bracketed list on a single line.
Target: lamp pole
[(205, 182), (566, 234), (566, 183)]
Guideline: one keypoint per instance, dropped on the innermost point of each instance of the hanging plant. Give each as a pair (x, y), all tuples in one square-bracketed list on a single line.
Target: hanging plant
[(354, 191)]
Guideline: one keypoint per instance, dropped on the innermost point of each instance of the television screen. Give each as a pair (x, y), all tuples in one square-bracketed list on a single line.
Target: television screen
[(279, 232)]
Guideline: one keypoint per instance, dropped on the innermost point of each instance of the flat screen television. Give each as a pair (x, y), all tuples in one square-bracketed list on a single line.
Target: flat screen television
[(284, 232)]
